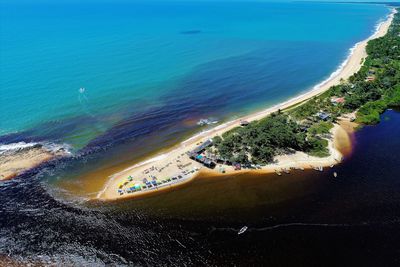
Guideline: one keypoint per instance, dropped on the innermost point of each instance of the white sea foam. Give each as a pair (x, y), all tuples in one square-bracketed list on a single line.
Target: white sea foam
[(51, 147), (351, 52), (15, 146)]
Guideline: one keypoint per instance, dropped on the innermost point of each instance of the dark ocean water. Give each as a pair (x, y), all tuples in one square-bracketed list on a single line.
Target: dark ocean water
[(302, 219)]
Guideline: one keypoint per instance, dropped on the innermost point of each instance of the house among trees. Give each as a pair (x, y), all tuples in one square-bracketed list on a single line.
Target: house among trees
[(323, 116), (197, 154), (370, 78), (202, 147), (337, 100), (244, 123)]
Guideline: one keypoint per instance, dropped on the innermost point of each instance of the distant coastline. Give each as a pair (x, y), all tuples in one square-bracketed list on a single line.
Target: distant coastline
[(177, 164)]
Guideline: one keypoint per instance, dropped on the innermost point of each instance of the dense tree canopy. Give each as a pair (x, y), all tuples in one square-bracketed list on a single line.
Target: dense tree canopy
[(369, 92)]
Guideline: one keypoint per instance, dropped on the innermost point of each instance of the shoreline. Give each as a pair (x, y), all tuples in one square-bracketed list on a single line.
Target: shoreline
[(168, 164), (17, 159), (298, 161)]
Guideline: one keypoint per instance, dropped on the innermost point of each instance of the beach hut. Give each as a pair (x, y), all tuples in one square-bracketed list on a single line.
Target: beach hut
[(244, 123), (192, 155), (337, 100), (202, 147), (238, 167), (303, 128), (370, 78), (323, 116), (209, 163)]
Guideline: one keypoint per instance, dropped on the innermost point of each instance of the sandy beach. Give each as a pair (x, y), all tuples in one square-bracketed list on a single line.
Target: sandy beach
[(176, 168), (16, 162)]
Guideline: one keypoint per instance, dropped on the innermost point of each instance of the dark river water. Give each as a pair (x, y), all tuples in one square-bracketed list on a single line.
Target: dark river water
[(299, 219)]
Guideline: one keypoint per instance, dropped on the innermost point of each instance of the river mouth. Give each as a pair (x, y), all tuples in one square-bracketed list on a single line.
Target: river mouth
[(309, 215), (231, 198)]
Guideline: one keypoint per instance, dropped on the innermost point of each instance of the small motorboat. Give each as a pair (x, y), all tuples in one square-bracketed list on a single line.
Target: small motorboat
[(335, 174), (242, 230)]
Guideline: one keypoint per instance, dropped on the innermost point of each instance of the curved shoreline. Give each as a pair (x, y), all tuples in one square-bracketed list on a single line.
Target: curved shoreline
[(350, 66)]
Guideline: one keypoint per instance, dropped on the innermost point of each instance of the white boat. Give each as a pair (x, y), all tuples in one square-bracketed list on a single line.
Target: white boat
[(335, 174), (242, 230)]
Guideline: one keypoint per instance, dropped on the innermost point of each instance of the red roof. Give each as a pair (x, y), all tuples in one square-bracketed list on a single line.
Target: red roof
[(338, 99)]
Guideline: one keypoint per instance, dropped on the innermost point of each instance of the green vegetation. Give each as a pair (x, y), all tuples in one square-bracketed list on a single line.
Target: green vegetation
[(369, 92), (276, 134), (260, 140), (321, 127), (319, 147), (370, 112)]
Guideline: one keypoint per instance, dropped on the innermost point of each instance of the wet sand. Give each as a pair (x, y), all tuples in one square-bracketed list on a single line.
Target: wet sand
[(14, 163)]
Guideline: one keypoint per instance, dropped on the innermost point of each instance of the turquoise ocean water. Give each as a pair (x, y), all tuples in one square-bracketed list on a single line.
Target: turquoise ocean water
[(154, 68)]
